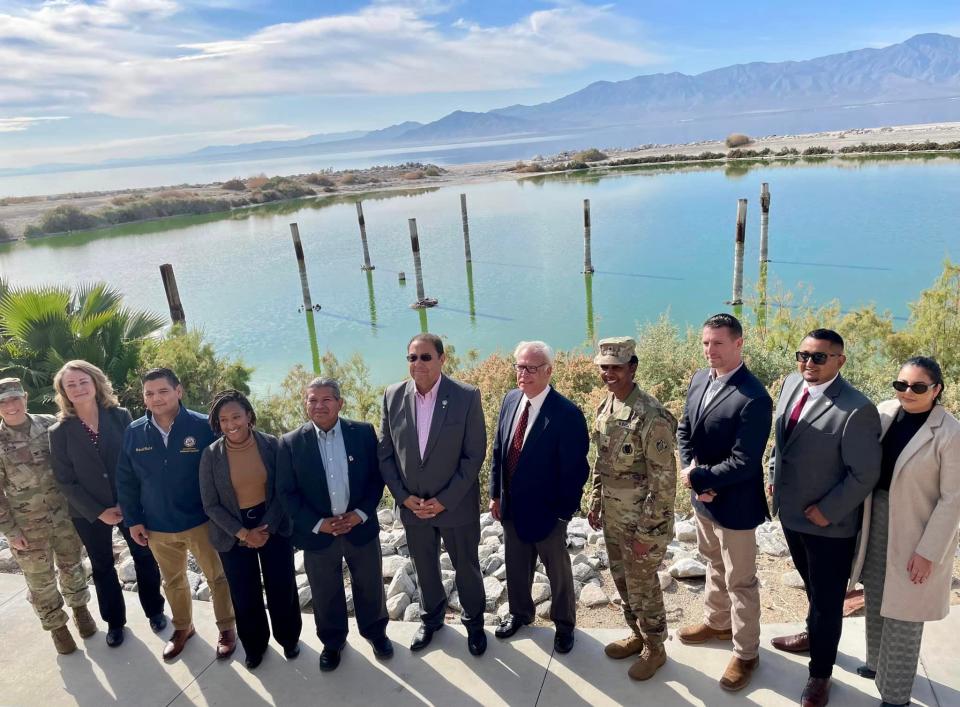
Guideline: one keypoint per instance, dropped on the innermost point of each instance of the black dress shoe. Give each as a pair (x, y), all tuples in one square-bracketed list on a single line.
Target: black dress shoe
[(865, 672), (476, 641), (114, 636), (509, 626), (292, 652), (423, 636), (894, 704), (563, 642), (382, 647), (158, 622), (329, 659), (253, 660)]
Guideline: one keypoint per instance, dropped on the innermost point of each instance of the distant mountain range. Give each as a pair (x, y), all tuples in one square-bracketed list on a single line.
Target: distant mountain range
[(926, 66)]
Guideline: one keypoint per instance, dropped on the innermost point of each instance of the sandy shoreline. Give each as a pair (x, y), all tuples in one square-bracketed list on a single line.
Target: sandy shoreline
[(16, 213)]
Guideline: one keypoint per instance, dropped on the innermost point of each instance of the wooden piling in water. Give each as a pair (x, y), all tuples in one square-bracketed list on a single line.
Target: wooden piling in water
[(307, 300), (764, 221), (422, 299), (738, 245), (587, 262), (177, 315), (363, 238), (466, 228)]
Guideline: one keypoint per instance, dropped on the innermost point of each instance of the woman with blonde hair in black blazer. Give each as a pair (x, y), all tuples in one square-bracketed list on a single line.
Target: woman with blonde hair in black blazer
[(250, 528), (85, 446), (909, 532)]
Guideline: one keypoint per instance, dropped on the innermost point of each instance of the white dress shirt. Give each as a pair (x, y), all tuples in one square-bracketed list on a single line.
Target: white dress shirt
[(535, 404), (336, 466), (816, 391)]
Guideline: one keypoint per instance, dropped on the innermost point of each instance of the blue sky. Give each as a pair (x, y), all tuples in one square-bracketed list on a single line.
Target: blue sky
[(88, 80)]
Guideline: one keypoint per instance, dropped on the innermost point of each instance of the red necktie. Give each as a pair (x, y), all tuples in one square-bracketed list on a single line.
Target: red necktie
[(516, 446), (795, 413)]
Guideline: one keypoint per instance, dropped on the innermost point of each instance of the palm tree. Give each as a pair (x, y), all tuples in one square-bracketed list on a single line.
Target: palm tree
[(43, 327)]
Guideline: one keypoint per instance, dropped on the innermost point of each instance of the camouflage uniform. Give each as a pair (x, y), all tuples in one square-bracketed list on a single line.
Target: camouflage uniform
[(634, 491), (31, 505)]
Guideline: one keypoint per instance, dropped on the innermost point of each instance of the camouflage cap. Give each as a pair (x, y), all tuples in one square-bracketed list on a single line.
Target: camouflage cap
[(11, 388), (616, 350)]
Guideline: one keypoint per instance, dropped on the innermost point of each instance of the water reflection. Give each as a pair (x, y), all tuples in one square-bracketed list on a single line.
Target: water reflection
[(373, 301), (588, 286), (473, 308)]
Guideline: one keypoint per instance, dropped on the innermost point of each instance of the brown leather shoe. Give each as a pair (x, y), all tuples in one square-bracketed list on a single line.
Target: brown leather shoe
[(797, 643), (816, 693), (701, 633), (738, 673), (176, 643), (226, 644)]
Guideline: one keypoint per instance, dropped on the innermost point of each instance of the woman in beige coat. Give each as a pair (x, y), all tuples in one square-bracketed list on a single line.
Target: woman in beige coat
[(910, 527)]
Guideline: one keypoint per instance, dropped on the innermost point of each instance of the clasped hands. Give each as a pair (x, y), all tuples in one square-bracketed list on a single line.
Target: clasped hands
[(255, 537), (424, 508), (341, 524), (704, 497)]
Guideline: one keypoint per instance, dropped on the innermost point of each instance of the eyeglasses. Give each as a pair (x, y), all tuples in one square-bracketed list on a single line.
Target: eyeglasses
[(520, 368), (818, 357), (918, 388), (423, 357)]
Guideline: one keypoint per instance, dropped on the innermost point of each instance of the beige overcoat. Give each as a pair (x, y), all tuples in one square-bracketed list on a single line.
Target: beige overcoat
[(924, 517)]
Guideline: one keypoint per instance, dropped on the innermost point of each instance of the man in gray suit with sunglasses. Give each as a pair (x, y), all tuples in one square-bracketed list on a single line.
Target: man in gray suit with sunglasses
[(432, 445)]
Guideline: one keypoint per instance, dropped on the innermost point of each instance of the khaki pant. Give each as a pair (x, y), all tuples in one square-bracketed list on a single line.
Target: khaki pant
[(170, 551), (732, 594)]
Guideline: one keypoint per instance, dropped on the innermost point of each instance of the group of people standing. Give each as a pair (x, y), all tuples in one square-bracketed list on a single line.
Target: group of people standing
[(240, 501)]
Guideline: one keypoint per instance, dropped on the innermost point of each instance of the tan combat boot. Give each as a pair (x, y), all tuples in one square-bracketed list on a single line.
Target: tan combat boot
[(648, 663), (85, 623), (63, 640), (625, 647)]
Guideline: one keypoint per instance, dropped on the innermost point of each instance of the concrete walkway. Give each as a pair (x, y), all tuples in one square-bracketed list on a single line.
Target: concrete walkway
[(521, 671)]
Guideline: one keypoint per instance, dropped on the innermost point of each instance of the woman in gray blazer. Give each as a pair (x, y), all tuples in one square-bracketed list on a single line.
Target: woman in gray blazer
[(250, 528), (85, 446), (909, 531)]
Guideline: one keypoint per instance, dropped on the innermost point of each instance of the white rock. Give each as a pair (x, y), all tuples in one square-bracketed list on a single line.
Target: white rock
[(490, 619), (584, 572), (302, 581), (387, 550), (485, 551), (449, 586), (594, 536), (132, 587), (203, 592), (688, 567), (3, 543), (448, 574), (579, 558), (127, 571), (541, 578), (412, 612), (792, 579), (504, 610), (579, 527), (453, 601), (576, 542), (392, 565), (685, 531), (410, 569), (396, 605), (298, 562), (491, 564), (577, 588), (603, 559), (87, 567), (492, 531), (493, 588), (501, 573), (445, 562), (385, 516), (540, 592), (348, 595), (306, 597), (666, 579), (492, 541), (193, 579), (401, 584), (486, 519), (543, 610), (592, 595)]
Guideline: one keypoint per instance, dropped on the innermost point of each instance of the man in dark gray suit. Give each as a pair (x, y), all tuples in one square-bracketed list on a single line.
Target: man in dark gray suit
[(826, 461), (432, 445)]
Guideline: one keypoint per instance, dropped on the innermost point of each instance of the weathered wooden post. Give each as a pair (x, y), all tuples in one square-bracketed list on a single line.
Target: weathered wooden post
[(422, 299), (764, 220), (466, 228), (363, 238), (307, 300), (740, 237), (588, 283), (587, 263), (177, 315)]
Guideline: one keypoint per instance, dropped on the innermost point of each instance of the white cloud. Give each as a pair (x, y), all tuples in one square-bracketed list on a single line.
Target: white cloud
[(24, 122), (135, 58)]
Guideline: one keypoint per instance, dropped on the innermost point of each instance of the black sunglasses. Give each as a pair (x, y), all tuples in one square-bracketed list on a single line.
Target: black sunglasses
[(423, 357), (918, 388), (818, 357)]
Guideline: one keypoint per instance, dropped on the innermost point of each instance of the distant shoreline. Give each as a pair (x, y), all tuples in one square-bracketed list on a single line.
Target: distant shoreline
[(17, 213)]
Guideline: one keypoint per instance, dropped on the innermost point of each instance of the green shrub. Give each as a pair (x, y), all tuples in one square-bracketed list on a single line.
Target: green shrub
[(234, 185), (817, 150), (591, 155), (321, 180), (66, 218), (737, 140), (787, 151)]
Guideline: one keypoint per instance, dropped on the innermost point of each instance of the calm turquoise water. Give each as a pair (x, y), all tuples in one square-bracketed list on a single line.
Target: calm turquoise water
[(873, 231)]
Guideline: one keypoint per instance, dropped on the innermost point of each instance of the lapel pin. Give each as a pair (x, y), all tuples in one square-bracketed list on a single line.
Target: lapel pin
[(444, 403), (349, 459)]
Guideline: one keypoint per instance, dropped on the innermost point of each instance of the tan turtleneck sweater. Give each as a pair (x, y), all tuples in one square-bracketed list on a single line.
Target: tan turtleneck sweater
[(247, 472)]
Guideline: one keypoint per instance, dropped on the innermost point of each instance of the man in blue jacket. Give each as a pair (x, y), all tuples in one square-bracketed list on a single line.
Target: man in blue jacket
[(536, 480), (158, 489)]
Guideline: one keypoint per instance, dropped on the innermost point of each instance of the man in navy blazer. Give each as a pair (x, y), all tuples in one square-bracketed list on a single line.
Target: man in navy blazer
[(329, 480), (538, 471), (721, 437)]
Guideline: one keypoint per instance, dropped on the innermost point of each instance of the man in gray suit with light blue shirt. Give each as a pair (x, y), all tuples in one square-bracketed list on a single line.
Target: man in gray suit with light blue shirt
[(432, 445), (826, 461)]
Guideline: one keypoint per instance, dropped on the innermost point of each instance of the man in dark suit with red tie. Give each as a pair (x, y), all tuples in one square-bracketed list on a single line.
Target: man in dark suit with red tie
[(538, 471)]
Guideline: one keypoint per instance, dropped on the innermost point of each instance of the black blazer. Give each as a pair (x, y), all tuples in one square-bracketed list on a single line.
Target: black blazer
[(548, 481), (220, 499), (87, 476), (728, 438), (302, 483)]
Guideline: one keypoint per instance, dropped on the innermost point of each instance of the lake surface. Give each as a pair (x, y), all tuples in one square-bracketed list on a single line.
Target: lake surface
[(869, 231)]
